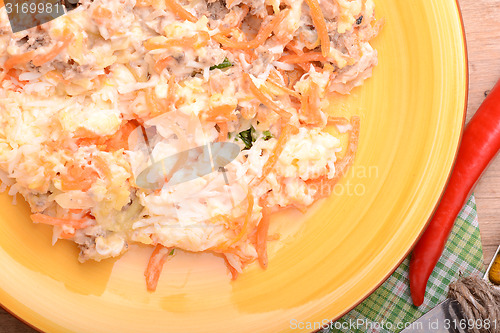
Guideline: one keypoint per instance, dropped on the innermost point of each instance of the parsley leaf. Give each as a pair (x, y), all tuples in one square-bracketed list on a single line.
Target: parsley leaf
[(222, 65), (248, 137), (267, 135)]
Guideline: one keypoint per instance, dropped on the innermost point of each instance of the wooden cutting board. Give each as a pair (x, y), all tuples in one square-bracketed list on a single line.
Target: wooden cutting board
[(483, 43)]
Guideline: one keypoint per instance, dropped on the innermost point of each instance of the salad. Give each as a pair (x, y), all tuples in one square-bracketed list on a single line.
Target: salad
[(180, 124)]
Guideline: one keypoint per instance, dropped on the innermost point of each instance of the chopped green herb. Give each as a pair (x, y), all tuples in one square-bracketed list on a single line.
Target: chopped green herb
[(267, 135), (248, 137), (222, 65), (171, 252)]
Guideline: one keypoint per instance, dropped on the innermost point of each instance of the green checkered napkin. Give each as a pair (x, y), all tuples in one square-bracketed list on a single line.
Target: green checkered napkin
[(391, 303)]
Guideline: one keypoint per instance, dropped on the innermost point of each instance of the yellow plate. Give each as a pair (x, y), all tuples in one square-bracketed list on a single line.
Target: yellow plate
[(412, 112)]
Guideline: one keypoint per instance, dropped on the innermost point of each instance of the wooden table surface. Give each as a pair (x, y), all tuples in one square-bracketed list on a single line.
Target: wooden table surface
[(482, 28), (483, 42)]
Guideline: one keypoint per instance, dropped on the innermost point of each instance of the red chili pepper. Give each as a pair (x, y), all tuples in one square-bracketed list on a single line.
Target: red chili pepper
[(480, 143)]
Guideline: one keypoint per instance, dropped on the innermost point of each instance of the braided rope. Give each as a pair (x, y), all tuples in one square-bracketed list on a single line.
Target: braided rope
[(478, 299)]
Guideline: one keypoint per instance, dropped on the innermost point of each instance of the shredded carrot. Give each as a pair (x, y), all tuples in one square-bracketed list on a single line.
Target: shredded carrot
[(18, 60), (243, 231), (66, 235), (250, 55), (117, 141), (159, 107), (99, 142), (56, 76), (203, 38), (264, 32), (232, 270), (222, 132), (75, 211), (78, 178), (161, 64), (304, 58), (13, 76), (304, 105), (337, 120), (283, 88), (246, 9), (275, 75), (286, 78), (120, 138), (307, 43), (102, 166), (161, 42), (320, 25), (310, 105), (264, 99), (171, 93), (280, 75), (153, 105), (292, 47), (46, 219), (248, 112), (180, 11), (269, 89), (155, 266), (164, 43), (220, 38), (261, 37), (101, 14), (286, 132), (221, 113), (262, 238), (218, 219), (293, 77), (54, 52)]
